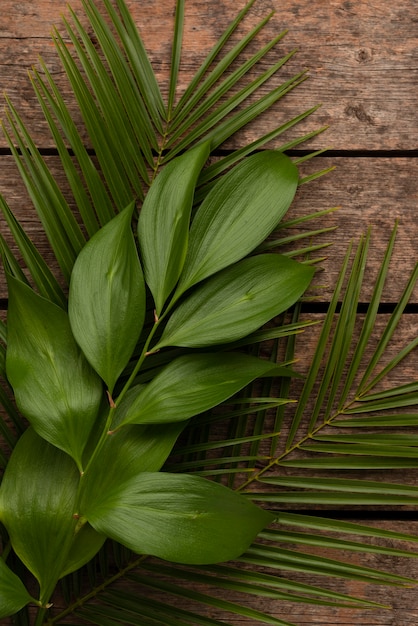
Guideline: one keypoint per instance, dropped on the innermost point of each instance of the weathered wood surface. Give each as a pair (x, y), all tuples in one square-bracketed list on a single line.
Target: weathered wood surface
[(363, 65), (362, 57)]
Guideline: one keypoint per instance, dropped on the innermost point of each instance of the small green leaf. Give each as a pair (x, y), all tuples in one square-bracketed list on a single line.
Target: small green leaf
[(13, 595), (237, 301), (54, 386), (185, 519), (107, 298), (164, 221), (36, 506), (239, 212), (190, 385)]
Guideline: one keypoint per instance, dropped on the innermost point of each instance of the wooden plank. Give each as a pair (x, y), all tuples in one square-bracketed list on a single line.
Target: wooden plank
[(373, 192), (362, 60)]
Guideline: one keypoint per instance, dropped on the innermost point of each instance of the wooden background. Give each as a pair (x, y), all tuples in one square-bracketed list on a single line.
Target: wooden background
[(363, 64)]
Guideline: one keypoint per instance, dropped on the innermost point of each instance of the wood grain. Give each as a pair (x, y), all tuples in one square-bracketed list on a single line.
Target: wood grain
[(362, 57)]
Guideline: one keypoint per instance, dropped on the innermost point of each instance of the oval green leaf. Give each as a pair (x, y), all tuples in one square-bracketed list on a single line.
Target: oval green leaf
[(13, 594), (240, 211), (164, 221), (107, 298), (37, 499), (185, 519), (190, 385), (54, 386), (237, 301)]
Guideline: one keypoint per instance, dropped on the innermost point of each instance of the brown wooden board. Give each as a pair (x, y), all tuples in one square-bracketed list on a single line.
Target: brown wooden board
[(362, 59)]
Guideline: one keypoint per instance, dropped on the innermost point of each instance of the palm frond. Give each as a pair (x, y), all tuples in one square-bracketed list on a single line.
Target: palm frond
[(340, 385), (129, 129)]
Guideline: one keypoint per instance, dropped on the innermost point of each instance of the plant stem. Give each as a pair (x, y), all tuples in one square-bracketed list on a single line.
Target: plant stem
[(107, 427), (95, 591), (40, 616), (140, 361)]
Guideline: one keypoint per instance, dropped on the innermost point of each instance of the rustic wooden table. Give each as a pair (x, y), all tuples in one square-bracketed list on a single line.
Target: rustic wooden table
[(363, 64)]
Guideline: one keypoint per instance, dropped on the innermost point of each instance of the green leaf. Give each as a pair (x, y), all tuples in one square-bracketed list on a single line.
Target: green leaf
[(128, 451), (176, 53), (190, 385), (54, 386), (43, 277), (191, 110), (113, 108), (164, 221), (215, 601), (85, 545), (239, 212), (13, 595), (199, 85), (36, 506), (331, 525), (237, 301), (90, 192), (264, 555), (107, 298), (185, 519), (257, 583), (58, 221), (105, 144), (139, 62)]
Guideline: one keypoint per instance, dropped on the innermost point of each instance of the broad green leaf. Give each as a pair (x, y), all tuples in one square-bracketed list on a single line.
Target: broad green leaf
[(13, 595), (36, 506), (190, 385), (107, 298), (237, 301), (128, 451), (54, 386), (185, 519), (239, 212), (164, 222)]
